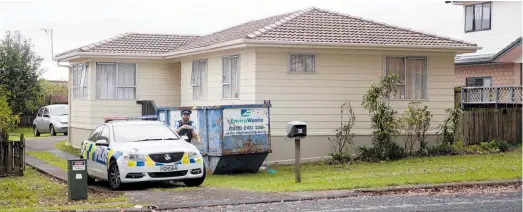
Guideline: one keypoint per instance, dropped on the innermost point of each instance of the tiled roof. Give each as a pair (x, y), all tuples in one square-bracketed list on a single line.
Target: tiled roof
[(137, 43), (321, 26), (312, 25)]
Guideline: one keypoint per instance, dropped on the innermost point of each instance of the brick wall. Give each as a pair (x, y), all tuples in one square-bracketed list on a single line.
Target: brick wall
[(502, 74)]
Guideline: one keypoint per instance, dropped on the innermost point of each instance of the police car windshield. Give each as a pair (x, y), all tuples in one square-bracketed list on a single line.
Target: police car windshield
[(143, 132)]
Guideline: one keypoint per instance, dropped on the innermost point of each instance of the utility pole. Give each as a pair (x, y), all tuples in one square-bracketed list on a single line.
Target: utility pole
[(50, 31)]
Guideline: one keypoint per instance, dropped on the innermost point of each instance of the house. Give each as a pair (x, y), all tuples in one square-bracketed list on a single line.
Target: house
[(305, 62), (496, 27)]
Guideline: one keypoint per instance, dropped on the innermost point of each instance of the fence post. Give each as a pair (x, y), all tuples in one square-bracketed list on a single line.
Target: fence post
[(22, 149)]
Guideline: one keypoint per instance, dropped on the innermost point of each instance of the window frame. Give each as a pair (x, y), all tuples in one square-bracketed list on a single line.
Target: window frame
[(86, 86), (474, 28), (482, 84), (289, 59), (405, 59), (116, 86), (231, 77), (202, 85)]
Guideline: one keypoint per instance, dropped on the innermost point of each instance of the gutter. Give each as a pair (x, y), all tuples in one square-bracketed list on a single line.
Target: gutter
[(258, 43)]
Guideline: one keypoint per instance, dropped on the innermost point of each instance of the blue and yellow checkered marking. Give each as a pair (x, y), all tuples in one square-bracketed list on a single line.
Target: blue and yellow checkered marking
[(89, 154), (149, 162)]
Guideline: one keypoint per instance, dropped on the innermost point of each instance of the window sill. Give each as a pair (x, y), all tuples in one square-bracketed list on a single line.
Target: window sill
[(478, 30), (230, 98), (409, 100), (288, 72)]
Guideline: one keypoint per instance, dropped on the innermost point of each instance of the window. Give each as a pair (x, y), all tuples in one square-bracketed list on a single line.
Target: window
[(156, 132), (40, 112), (478, 82), (105, 134), (46, 112), (79, 81), (115, 81), (477, 17), (94, 136), (230, 78), (302, 63), (198, 76), (412, 73)]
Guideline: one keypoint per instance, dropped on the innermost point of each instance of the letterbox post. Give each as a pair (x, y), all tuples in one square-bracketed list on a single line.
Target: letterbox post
[(77, 179), (297, 130), (297, 160)]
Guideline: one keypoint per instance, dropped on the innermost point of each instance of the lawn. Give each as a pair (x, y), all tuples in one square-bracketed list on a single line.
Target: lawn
[(62, 145), (28, 133), (364, 175), (35, 192)]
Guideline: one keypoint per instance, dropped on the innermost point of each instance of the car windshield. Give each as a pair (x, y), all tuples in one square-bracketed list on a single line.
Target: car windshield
[(59, 110), (143, 132)]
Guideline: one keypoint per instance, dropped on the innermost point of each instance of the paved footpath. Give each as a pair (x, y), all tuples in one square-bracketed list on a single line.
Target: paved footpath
[(169, 197)]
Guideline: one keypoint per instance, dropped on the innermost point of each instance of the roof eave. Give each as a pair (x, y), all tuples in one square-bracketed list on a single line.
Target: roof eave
[(76, 55), (457, 49), (187, 52)]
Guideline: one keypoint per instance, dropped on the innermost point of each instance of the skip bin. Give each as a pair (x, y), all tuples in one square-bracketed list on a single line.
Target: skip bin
[(234, 138)]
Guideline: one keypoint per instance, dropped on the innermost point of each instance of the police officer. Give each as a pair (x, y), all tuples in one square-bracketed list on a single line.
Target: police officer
[(186, 127)]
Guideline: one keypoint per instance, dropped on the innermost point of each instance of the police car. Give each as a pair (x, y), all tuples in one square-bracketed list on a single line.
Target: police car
[(128, 150)]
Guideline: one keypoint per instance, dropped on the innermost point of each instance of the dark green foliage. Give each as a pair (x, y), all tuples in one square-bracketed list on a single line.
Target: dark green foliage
[(384, 122), (21, 69)]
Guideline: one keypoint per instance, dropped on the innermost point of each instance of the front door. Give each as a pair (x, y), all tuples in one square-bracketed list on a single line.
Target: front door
[(101, 153), (90, 152)]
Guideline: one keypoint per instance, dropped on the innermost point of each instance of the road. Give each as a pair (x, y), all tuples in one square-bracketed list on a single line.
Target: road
[(477, 202)]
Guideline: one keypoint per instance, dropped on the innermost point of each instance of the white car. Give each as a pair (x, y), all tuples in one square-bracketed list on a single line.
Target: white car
[(51, 119), (128, 151)]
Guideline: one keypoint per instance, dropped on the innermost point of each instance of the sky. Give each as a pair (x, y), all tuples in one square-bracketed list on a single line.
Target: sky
[(76, 23)]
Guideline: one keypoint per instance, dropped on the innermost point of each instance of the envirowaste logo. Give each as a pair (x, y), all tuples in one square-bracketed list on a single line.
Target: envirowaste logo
[(245, 112)]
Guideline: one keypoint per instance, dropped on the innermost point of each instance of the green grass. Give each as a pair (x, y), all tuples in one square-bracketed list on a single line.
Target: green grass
[(365, 175), (64, 146), (35, 192), (362, 175), (28, 133), (50, 158)]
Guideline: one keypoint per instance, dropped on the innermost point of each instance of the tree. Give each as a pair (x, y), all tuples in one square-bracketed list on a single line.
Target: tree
[(8, 121), (49, 90), (20, 69)]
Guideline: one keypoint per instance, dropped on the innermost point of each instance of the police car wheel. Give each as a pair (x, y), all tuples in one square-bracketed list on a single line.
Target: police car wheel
[(195, 181), (114, 176)]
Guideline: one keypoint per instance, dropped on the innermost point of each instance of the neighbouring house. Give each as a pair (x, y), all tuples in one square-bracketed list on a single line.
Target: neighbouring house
[(306, 63), (496, 27)]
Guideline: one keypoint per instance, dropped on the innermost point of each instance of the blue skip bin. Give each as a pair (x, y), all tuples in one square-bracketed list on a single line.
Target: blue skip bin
[(234, 138)]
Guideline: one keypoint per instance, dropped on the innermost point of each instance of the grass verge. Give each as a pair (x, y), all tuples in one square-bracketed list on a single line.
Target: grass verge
[(50, 158), (28, 133), (318, 176), (35, 192), (368, 175), (64, 146)]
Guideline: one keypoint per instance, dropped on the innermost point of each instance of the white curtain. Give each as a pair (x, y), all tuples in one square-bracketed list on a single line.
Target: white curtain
[(416, 79), (195, 80), (79, 81), (126, 81), (234, 77), (302, 63), (106, 81), (226, 79)]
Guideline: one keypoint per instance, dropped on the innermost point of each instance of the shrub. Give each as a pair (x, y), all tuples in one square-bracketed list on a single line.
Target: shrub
[(8, 121), (459, 148), (384, 121), (450, 131), (344, 137), (415, 123)]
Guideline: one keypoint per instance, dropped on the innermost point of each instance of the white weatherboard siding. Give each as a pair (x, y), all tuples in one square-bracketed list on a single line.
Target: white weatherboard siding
[(315, 98), (157, 81), (505, 27), (214, 79)]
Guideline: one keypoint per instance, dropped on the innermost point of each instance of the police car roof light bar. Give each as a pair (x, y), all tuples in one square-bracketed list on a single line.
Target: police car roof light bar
[(126, 118)]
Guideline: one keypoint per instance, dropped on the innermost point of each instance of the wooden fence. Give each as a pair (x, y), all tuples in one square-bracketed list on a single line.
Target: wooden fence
[(486, 124), (12, 156)]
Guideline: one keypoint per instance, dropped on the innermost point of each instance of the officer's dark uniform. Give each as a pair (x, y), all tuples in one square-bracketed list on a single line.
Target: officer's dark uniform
[(186, 132)]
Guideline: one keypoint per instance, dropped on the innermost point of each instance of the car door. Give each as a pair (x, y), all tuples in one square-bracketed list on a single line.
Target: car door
[(101, 153), (38, 119), (90, 150), (45, 120)]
